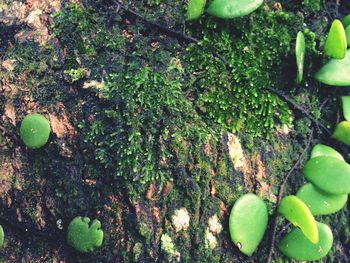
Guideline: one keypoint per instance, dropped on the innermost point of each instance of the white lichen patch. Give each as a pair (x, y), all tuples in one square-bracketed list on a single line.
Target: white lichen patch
[(214, 225), (211, 239), (93, 84), (235, 151), (181, 219), (283, 130)]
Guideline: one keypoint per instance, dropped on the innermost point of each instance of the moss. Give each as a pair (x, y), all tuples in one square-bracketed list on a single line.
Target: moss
[(257, 50), (35, 130), (146, 232), (312, 6)]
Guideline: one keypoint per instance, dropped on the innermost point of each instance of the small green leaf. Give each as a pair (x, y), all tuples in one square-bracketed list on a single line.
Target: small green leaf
[(336, 72), (346, 21), (324, 150), (342, 132), (294, 209), (300, 55), (328, 174), (296, 246), (228, 9), (335, 46), (248, 222), (347, 35), (346, 107), (320, 202), (195, 9), (83, 236), (35, 131), (2, 236)]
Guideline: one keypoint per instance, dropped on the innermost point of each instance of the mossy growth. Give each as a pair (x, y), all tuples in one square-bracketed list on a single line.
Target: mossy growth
[(149, 110), (312, 6), (257, 49), (83, 236), (35, 131)]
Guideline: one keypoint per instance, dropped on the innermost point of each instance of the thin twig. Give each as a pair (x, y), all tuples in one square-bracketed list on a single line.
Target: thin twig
[(169, 31), (309, 115), (281, 191)]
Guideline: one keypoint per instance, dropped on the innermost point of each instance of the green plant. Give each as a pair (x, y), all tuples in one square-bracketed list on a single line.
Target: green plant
[(324, 150), (76, 74), (195, 9), (300, 55), (84, 236), (320, 202), (135, 137), (296, 246), (2, 236), (335, 72), (248, 223), (312, 6), (346, 21), (329, 174), (346, 107), (342, 132), (295, 210), (228, 9), (35, 131), (237, 99), (335, 46)]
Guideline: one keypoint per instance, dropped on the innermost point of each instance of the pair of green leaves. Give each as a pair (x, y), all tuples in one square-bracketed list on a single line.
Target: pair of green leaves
[(226, 9), (337, 71), (249, 217), (326, 194)]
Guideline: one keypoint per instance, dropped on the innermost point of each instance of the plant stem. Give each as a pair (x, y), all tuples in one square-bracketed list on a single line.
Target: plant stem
[(281, 192)]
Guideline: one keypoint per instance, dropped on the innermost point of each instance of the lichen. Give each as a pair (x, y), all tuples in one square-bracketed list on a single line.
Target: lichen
[(214, 225), (181, 219)]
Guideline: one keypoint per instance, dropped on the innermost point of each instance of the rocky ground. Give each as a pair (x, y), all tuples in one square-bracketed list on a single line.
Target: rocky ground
[(144, 134)]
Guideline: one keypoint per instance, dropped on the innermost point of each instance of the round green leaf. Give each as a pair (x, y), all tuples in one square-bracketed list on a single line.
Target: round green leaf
[(324, 150), (328, 174), (346, 21), (296, 246), (2, 236), (346, 105), (300, 55), (297, 212), (336, 72), (195, 9), (248, 222), (83, 236), (227, 9), (347, 35), (320, 202), (35, 131), (342, 132), (335, 46)]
